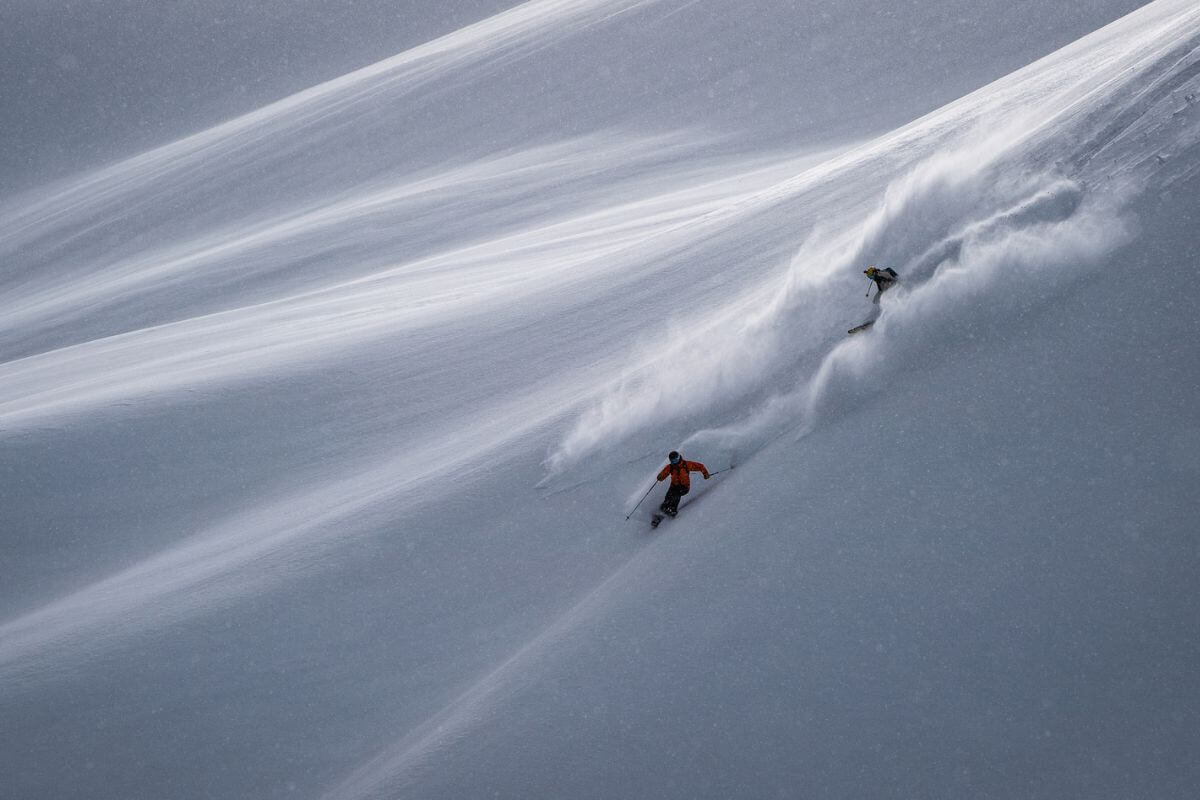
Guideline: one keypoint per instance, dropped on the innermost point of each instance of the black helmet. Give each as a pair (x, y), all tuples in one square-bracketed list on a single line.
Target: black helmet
[(674, 456)]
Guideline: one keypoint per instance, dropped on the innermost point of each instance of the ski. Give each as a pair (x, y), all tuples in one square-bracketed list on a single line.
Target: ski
[(860, 328), (659, 516)]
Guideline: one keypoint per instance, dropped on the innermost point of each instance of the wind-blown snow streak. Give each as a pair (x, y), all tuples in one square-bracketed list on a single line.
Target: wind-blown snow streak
[(342, 227), (277, 172), (261, 338), (306, 120)]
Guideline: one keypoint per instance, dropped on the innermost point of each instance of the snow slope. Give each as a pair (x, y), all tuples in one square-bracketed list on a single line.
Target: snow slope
[(317, 462)]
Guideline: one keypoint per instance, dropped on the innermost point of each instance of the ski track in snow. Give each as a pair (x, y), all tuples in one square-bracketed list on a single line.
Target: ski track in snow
[(1012, 192), (378, 777)]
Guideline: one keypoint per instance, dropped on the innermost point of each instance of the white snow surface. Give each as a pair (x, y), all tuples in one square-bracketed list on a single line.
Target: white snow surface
[(317, 460)]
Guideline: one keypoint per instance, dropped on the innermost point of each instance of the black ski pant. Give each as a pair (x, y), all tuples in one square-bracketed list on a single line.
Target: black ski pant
[(670, 503)]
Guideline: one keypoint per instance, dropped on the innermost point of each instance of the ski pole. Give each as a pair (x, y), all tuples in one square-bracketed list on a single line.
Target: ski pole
[(718, 472), (639, 502)]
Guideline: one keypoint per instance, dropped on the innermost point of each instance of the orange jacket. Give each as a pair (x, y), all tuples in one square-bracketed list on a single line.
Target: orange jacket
[(679, 472)]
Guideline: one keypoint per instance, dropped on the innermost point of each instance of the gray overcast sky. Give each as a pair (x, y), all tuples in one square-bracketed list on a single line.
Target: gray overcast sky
[(87, 83)]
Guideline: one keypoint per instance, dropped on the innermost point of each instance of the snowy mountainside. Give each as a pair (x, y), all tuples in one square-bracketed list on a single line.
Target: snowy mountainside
[(318, 487)]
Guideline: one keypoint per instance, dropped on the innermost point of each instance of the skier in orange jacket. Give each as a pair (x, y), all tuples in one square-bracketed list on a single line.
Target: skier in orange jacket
[(681, 482)]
